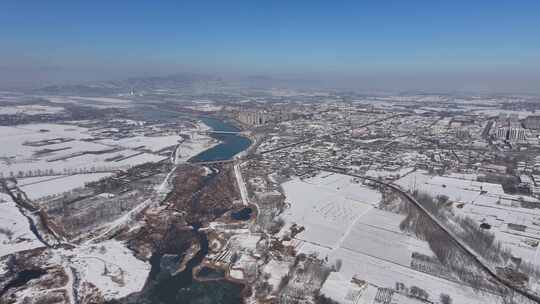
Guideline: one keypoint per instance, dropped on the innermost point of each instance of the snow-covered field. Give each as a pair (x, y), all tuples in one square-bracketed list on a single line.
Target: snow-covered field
[(276, 270), (205, 107), (110, 266), (344, 291), (457, 189), (22, 156), (486, 203), (197, 143), (97, 102), (30, 110), (152, 143), (327, 206), (386, 274), (15, 234), (58, 185), (387, 173), (343, 223), (377, 234), (495, 112)]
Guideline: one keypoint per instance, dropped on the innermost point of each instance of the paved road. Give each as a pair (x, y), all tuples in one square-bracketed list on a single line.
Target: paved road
[(241, 184)]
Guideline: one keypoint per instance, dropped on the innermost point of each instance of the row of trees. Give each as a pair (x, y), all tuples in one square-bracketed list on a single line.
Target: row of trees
[(60, 171)]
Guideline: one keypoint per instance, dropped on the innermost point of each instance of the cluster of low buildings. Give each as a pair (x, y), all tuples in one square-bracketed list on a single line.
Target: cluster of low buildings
[(375, 141)]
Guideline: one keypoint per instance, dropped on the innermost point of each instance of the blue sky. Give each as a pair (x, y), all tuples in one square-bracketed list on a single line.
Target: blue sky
[(337, 39)]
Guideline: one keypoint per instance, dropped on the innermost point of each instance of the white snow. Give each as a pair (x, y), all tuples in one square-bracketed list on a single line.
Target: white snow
[(97, 102), (241, 184), (13, 222), (346, 226), (197, 143), (345, 291), (152, 143), (236, 274), (387, 173), (386, 274), (276, 270), (206, 107), (23, 160), (326, 205), (30, 110), (60, 184), (377, 234), (486, 203), (111, 267), (458, 190)]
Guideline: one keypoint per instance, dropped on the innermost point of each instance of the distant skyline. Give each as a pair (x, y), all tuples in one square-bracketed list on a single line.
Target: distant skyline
[(491, 46)]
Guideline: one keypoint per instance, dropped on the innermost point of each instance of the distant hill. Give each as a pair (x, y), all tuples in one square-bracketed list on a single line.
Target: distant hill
[(122, 86)]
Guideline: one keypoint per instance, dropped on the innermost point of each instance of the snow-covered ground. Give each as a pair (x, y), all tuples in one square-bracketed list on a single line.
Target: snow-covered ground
[(495, 112), (386, 274), (343, 223), (241, 184), (15, 234), (97, 102), (276, 270), (326, 205), (30, 110), (206, 107), (387, 173), (152, 143), (344, 291), (20, 158), (457, 189), (110, 266), (60, 184), (377, 234), (197, 143), (486, 203)]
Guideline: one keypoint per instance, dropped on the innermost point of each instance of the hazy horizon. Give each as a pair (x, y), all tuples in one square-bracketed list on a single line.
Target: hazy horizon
[(485, 46)]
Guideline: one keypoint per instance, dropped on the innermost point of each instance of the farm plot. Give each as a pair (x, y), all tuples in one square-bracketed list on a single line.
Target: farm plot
[(15, 234), (326, 207), (384, 241), (58, 185), (517, 228), (54, 149)]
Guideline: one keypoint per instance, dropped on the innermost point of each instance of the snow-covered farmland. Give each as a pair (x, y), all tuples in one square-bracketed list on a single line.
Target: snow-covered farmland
[(15, 234), (277, 270), (327, 206), (111, 267), (457, 189), (151, 143), (377, 234), (58, 184), (52, 149), (30, 110), (342, 222), (195, 144), (97, 102), (205, 106), (345, 291), (515, 227), (386, 274), (377, 251)]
